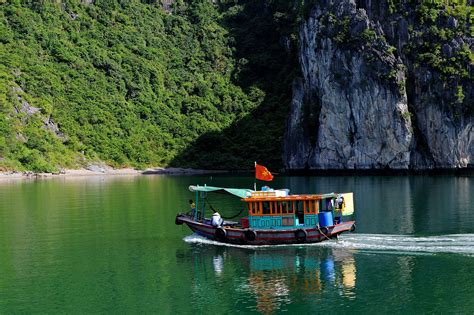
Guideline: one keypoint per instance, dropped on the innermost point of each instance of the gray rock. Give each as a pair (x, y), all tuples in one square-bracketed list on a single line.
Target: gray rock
[(20, 137), (96, 168), (24, 107), (361, 123), (446, 50), (50, 125), (452, 22), (360, 23), (345, 114)]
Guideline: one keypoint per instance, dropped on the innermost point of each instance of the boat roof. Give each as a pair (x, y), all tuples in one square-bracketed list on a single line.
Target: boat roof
[(250, 195), (239, 192), (289, 197)]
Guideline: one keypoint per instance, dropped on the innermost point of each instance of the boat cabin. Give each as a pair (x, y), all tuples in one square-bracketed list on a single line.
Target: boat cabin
[(268, 210)]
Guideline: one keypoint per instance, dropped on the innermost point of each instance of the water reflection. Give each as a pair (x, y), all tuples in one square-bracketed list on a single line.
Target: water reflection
[(277, 277), (269, 290), (218, 263)]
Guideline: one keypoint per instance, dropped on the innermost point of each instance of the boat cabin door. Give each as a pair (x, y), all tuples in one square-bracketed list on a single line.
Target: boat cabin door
[(299, 211)]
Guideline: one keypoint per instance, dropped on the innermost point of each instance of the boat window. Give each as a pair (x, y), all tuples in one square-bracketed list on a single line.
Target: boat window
[(307, 206), (286, 207), (298, 206), (274, 207), (256, 208), (328, 204), (266, 207), (291, 208), (311, 206)]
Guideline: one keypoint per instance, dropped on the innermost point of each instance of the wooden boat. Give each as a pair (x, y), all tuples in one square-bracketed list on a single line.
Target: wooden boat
[(274, 217)]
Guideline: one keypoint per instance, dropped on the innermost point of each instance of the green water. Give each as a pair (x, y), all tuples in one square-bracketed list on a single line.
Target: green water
[(110, 245)]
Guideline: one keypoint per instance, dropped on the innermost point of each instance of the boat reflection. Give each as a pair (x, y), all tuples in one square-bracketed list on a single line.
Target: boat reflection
[(276, 277)]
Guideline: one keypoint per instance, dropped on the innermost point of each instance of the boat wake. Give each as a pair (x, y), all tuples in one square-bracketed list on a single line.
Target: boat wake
[(456, 243), (462, 244)]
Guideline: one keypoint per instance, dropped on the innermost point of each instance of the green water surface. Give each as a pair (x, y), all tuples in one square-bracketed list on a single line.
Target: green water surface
[(110, 245)]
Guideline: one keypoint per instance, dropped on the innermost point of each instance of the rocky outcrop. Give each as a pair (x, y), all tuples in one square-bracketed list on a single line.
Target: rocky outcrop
[(362, 103), (442, 116), (23, 108)]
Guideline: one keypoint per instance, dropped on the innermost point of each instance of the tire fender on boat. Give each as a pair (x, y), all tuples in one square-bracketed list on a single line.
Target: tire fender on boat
[(177, 221), (301, 235), (220, 234), (353, 227), (250, 235)]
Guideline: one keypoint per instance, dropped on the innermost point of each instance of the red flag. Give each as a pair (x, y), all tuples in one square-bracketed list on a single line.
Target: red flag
[(262, 173)]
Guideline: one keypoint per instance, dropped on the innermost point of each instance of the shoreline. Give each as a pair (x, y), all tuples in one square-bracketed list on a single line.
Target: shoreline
[(101, 170), (106, 171)]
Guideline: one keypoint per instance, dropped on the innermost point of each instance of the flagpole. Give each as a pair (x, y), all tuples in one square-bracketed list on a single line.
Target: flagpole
[(255, 179)]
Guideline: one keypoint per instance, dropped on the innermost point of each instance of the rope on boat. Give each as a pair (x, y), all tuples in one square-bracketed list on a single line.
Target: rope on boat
[(223, 217), (234, 216), (319, 229)]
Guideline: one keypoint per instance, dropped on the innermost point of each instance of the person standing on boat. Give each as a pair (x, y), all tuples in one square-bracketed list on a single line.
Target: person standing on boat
[(192, 205), (340, 202), (216, 219)]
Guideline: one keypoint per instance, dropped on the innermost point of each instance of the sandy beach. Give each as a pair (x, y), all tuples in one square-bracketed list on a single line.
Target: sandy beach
[(96, 170)]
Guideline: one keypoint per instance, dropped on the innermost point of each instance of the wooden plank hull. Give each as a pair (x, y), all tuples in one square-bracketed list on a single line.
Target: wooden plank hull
[(236, 235)]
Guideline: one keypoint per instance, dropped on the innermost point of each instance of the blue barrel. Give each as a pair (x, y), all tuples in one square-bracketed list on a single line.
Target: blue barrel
[(325, 219)]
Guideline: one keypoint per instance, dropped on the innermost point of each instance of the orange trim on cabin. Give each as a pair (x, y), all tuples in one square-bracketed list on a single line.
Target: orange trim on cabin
[(278, 206), (287, 198), (272, 208)]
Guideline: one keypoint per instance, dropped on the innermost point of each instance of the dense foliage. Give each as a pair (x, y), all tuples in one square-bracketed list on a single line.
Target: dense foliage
[(126, 82), (439, 42), (264, 37)]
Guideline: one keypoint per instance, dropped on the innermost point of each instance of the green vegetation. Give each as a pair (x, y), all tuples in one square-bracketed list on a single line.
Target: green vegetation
[(438, 31), (437, 41), (265, 46), (127, 83), (438, 22)]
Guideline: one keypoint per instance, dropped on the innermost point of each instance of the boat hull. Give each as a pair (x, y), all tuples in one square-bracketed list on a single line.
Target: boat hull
[(236, 235)]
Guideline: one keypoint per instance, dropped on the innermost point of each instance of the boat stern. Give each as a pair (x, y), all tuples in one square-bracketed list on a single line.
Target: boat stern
[(343, 227)]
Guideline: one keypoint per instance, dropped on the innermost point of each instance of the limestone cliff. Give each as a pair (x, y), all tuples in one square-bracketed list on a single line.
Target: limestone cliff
[(369, 97)]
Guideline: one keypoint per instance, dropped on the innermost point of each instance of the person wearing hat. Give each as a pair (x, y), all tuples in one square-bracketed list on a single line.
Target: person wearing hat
[(216, 219)]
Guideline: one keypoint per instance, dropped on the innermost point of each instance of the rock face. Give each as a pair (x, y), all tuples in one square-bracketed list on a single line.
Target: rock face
[(362, 104), (24, 108)]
